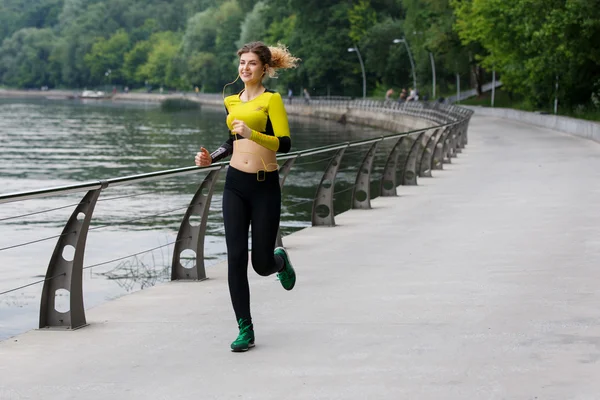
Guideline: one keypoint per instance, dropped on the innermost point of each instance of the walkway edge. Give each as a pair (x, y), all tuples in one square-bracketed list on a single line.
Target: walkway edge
[(582, 128)]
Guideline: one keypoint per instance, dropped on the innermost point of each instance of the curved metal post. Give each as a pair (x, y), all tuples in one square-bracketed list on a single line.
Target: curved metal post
[(191, 235), (409, 166), (322, 211), (457, 148), (420, 147), (406, 148), (453, 142), (65, 270), (388, 179), (447, 145), (465, 136), (438, 155), (283, 173), (285, 170), (424, 166), (361, 192)]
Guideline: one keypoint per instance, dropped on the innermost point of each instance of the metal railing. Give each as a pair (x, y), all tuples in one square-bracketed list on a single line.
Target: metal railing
[(413, 154)]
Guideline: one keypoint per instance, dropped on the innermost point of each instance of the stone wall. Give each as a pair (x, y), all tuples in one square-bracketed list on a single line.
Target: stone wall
[(389, 120)]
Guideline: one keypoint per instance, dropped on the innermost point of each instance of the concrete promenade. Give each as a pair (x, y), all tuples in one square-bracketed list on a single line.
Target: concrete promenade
[(480, 283)]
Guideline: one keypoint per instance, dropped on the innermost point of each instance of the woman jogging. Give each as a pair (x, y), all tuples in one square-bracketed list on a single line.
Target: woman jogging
[(258, 126)]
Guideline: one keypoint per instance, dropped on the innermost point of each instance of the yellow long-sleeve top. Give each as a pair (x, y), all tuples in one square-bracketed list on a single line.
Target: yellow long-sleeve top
[(265, 115)]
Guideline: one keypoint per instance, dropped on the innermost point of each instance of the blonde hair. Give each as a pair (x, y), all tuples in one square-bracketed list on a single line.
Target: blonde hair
[(275, 57)]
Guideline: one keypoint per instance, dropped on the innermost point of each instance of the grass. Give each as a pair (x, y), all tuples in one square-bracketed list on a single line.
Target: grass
[(503, 99)]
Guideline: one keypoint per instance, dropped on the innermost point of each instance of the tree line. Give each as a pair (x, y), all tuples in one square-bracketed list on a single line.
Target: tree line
[(538, 48)]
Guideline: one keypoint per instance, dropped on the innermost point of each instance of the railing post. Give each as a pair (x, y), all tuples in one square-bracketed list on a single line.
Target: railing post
[(407, 160), (438, 155), (410, 172), (454, 138), (465, 136), (65, 270), (283, 173), (192, 232), (388, 179), (424, 164), (322, 211), (447, 145), (361, 192)]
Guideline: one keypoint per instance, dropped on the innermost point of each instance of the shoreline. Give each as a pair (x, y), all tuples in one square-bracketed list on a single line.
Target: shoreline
[(360, 117), (75, 95)]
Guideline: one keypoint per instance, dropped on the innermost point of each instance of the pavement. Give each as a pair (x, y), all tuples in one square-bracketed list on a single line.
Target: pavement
[(479, 283)]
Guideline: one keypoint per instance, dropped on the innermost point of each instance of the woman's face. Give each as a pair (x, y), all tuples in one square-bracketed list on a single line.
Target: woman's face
[(251, 70)]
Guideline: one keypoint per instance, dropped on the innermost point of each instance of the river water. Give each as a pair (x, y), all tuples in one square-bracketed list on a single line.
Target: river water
[(46, 143)]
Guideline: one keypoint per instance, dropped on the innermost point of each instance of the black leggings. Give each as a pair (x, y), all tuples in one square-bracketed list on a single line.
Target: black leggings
[(245, 200)]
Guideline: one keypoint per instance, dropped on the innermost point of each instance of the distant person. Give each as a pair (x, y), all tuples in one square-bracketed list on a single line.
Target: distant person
[(290, 95), (306, 96), (389, 94), (403, 96), (259, 128), (412, 96)]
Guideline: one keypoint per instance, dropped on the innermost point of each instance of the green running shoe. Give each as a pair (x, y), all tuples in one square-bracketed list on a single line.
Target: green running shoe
[(245, 339), (287, 276)]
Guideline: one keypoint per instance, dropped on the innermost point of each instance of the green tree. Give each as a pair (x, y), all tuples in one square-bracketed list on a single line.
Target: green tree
[(201, 70), (320, 37), (134, 60), (201, 33), (383, 59), (108, 55), (18, 14), (161, 66), (429, 28), (254, 26), (25, 58), (229, 19), (531, 42), (362, 17), (80, 25)]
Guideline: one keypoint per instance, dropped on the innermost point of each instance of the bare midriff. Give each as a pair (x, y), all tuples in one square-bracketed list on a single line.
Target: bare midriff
[(249, 156)]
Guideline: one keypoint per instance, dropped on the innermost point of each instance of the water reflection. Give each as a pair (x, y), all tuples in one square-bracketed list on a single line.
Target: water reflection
[(135, 273)]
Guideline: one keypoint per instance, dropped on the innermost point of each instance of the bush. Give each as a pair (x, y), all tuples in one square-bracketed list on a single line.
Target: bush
[(172, 105)]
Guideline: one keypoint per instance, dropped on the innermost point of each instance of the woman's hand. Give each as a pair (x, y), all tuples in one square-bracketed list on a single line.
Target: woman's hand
[(240, 127), (203, 158)]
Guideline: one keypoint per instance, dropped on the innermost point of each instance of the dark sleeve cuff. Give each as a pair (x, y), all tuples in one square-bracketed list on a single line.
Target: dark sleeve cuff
[(223, 151), (285, 144)]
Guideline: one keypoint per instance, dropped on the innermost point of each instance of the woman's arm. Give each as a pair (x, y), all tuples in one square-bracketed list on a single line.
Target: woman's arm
[(277, 118), (223, 151)]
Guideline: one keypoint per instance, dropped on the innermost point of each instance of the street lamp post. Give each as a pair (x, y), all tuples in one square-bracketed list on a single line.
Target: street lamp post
[(412, 63), (107, 75), (432, 75), (457, 88), (493, 86), (362, 67), (556, 97)]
